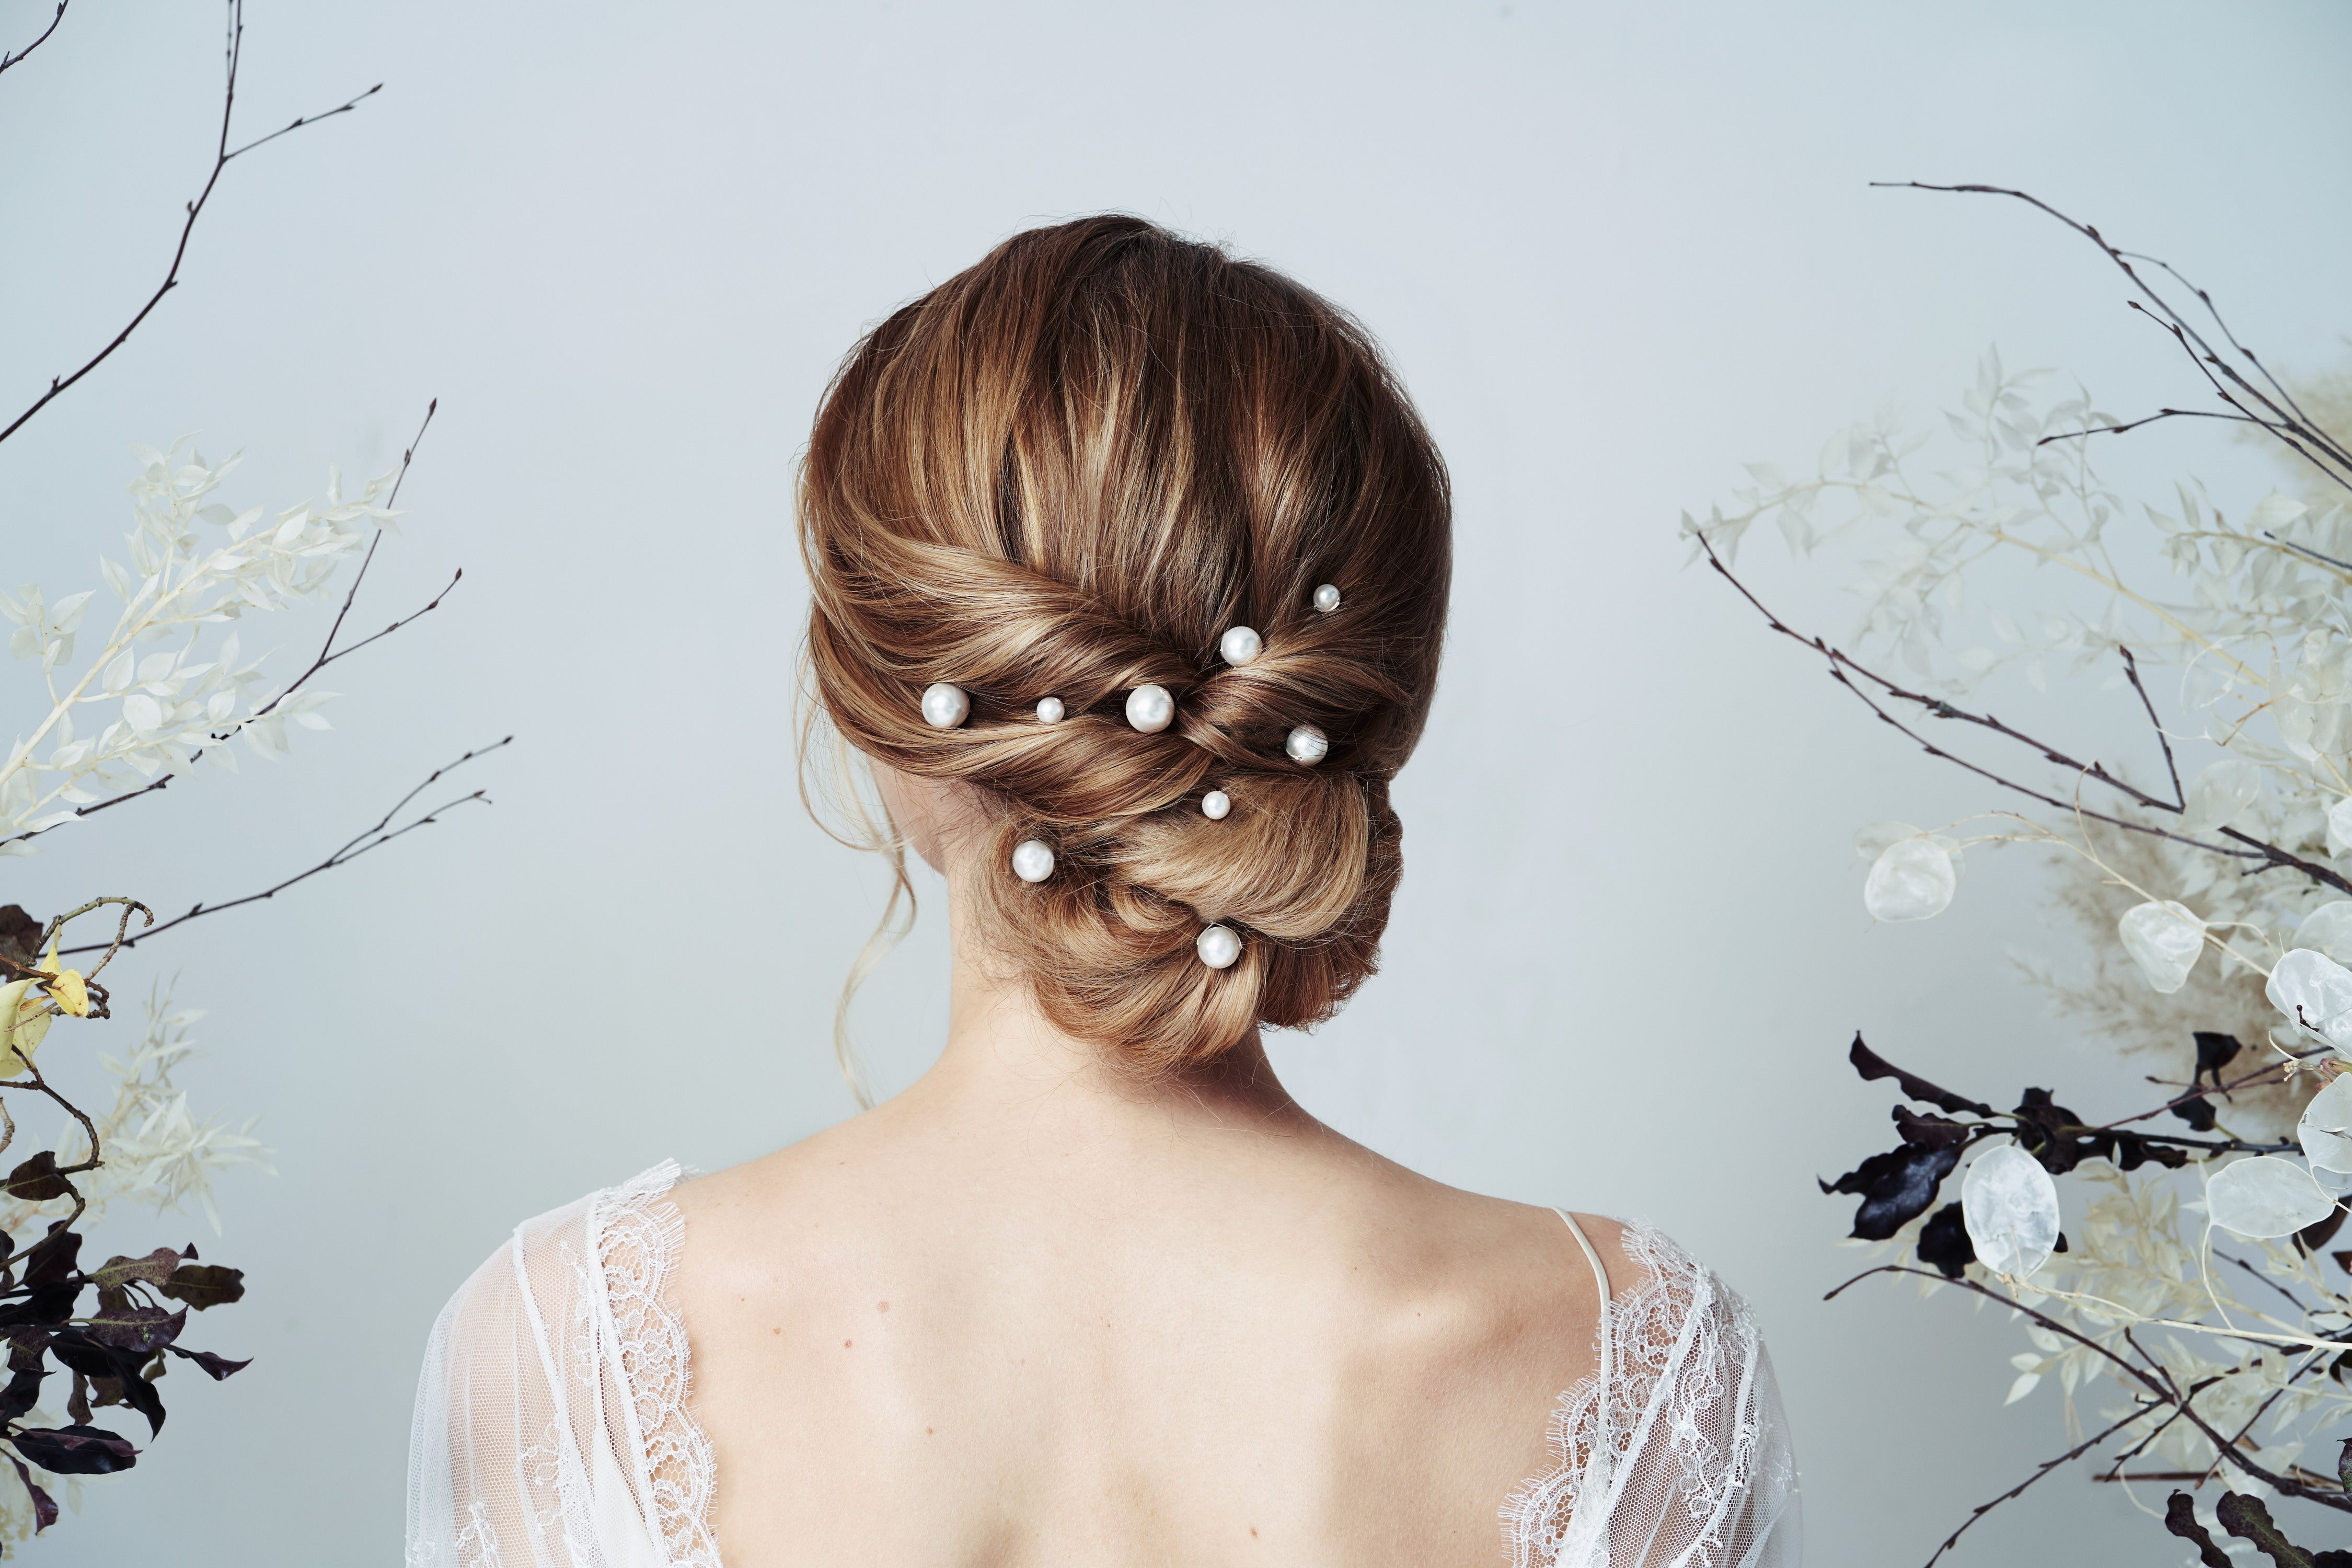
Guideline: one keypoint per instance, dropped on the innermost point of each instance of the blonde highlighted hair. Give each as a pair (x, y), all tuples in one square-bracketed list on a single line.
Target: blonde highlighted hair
[(1066, 472)]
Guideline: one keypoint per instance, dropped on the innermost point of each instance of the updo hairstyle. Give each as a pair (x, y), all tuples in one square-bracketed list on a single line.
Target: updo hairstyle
[(1067, 472)]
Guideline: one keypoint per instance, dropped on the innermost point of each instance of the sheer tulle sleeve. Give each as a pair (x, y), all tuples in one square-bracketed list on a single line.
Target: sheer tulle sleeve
[(551, 1428), (1675, 1453)]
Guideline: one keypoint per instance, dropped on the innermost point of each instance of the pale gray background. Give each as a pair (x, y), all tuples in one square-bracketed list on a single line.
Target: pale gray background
[(1615, 251)]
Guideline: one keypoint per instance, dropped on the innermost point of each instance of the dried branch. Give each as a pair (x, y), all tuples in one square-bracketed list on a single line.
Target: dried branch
[(18, 58), (359, 843), (2268, 1073), (2161, 414), (35, 1081), (2131, 669), (221, 157), (2056, 1327), (2166, 1392), (2293, 1299), (327, 655), (2287, 422), (2040, 1470), (2270, 854)]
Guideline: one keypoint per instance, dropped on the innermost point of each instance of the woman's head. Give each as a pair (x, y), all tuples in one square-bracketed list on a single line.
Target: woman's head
[(1067, 472)]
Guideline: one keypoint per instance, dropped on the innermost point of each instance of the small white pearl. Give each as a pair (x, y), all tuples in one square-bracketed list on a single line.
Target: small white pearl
[(1326, 598), (1050, 710), (1031, 861), (1218, 947), (1307, 744), (1150, 709), (1239, 646), (945, 706), (1216, 804)]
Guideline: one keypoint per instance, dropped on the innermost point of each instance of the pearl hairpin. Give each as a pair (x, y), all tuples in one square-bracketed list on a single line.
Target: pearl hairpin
[(1326, 598), (1218, 947), (1032, 861), (1049, 711), (1150, 709), (1215, 805), (1307, 744), (945, 706), (1240, 646)]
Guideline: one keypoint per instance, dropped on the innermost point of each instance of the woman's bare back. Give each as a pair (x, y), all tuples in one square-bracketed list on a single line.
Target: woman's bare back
[(923, 1340)]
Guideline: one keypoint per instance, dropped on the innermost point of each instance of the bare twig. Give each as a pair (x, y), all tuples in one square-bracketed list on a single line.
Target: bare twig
[(2270, 854), (327, 654), (16, 60), (2161, 414), (121, 929), (2286, 421), (2293, 1299), (2268, 1073), (2162, 1392), (2131, 668), (2223, 327), (359, 843), (2040, 1470), (2165, 1391), (326, 658), (222, 156), (2308, 551), (35, 1081)]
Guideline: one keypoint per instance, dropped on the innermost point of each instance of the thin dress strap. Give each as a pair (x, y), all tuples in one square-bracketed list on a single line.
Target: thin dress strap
[(1588, 1529), (1600, 1277)]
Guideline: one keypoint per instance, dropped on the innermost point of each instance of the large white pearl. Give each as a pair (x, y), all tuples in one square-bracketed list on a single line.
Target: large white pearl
[(1150, 709), (1216, 804), (1050, 710), (1326, 598), (945, 706), (1307, 744), (1218, 947), (1032, 861), (1239, 646)]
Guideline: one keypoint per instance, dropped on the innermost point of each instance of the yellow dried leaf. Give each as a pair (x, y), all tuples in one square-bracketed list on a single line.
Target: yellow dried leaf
[(24, 1020), (69, 992)]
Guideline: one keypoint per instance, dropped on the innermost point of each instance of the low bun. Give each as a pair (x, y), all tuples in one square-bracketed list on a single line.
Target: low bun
[(1066, 473)]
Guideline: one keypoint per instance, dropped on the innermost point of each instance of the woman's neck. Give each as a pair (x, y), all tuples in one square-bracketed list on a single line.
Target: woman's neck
[(1004, 1059)]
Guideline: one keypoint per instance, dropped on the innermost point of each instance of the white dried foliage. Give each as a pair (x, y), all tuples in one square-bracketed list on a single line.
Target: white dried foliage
[(2325, 1130), (2236, 617), (2010, 1207), (2314, 994), (158, 1152), (2165, 939), (165, 687), (1911, 879), (2265, 1197)]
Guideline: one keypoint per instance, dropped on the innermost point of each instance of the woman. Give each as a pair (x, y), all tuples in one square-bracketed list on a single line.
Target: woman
[(1129, 567)]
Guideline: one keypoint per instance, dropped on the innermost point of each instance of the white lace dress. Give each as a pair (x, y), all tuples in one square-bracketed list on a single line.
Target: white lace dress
[(553, 1427)]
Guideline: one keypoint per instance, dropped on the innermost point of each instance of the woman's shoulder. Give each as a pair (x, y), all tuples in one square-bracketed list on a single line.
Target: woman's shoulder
[(629, 1228), (1676, 1436), (1665, 1306)]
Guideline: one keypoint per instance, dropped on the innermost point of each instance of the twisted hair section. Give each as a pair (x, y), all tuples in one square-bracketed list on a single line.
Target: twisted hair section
[(1067, 472)]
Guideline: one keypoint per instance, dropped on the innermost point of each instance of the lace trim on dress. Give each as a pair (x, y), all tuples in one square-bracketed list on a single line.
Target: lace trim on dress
[(639, 1233), (1681, 1424)]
